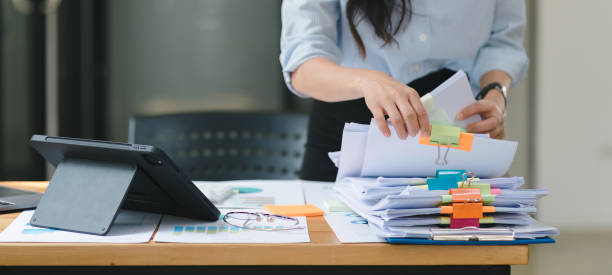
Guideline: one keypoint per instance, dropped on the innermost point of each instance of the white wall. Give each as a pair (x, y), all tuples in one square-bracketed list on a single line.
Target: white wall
[(573, 64)]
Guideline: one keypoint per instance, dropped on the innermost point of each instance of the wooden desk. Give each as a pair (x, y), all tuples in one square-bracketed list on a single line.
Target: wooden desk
[(324, 249)]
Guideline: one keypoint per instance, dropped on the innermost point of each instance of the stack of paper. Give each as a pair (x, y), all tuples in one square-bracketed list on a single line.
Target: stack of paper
[(410, 188)]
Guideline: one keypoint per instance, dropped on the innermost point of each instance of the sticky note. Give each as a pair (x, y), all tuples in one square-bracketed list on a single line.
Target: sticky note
[(336, 206), (465, 142), (445, 135), (428, 102), (295, 210)]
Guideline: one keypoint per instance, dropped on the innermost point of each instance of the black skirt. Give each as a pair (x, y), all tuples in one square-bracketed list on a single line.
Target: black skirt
[(327, 122)]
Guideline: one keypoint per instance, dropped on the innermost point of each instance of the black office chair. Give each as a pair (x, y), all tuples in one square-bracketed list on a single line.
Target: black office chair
[(227, 145)]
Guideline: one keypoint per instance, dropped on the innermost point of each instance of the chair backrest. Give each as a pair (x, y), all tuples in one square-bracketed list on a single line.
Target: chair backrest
[(227, 145)]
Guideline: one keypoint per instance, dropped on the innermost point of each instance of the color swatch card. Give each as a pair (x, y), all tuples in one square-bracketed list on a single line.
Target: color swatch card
[(182, 230), (128, 227), (257, 193)]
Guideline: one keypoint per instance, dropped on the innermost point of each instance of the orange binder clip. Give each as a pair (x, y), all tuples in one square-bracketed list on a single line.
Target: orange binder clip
[(467, 210)]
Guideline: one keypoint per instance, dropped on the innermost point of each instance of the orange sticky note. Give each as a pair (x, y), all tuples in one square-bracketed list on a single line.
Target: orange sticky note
[(295, 210), (465, 142)]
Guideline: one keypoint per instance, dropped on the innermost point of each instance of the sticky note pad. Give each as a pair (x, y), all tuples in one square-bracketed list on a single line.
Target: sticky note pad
[(336, 206), (445, 135), (295, 210)]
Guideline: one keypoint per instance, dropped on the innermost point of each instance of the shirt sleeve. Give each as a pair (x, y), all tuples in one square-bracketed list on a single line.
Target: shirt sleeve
[(504, 50), (309, 29)]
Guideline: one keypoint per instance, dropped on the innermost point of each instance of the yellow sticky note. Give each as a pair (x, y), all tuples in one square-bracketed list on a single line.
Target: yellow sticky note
[(295, 210)]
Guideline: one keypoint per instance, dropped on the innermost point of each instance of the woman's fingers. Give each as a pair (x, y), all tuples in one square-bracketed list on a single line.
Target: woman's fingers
[(408, 115), (396, 119), (477, 107), (498, 132), (483, 126), (381, 122), (421, 113)]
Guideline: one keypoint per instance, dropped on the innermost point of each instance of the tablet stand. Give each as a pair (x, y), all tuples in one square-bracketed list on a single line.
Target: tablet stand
[(84, 195)]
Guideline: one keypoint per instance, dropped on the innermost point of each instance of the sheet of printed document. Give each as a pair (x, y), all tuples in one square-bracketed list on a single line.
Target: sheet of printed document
[(369, 188), (257, 193), (128, 227), (418, 205), (445, 101), (349, 227), (393, 157), (533, 230), (318, 192), (423, 199), (182, 230)]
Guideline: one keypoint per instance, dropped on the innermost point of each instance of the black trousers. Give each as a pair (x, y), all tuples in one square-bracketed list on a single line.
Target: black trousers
[(327, 122)]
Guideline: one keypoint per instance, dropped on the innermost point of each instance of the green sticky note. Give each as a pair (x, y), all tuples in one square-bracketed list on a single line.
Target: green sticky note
[(487, 219), (444, 220), (447, 198), (488, 198), (485, 188), (445, 135), (336, 206)]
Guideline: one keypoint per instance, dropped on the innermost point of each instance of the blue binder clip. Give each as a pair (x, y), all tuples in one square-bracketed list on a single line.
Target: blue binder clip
[(445, 179)]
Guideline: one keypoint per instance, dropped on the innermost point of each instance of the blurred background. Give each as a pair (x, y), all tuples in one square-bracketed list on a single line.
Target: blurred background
[(81, 68)]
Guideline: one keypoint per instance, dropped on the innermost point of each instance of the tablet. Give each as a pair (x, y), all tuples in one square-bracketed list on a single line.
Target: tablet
[(94, 177)]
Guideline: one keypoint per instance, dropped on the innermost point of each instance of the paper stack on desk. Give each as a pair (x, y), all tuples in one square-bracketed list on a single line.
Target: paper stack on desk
[(419, 187), (407, 208)]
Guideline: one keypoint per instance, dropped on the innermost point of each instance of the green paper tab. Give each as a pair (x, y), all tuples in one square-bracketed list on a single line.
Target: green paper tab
[(485, 188), (487, 220), (447, 198), (488, 198), (445, 135)]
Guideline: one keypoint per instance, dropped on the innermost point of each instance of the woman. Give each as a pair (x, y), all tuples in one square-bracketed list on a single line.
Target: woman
[(354, 58)]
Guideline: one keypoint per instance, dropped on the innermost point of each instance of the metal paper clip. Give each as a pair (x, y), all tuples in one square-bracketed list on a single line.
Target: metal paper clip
[(470, 179), (439, 161), (471, 233)]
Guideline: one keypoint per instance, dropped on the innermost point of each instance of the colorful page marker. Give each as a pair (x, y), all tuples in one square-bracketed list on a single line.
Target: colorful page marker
[(445, 134), (465, 142), (295, 210)]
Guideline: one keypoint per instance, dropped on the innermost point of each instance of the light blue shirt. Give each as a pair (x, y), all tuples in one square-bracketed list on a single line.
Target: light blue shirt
[(475, 36)]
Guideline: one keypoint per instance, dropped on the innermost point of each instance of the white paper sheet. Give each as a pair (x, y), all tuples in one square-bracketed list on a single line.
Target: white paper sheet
[(393, 157), (451, 97), (129, 227), (257, 193), (318, 192), (182, 230), (354, 138), (351, 228)]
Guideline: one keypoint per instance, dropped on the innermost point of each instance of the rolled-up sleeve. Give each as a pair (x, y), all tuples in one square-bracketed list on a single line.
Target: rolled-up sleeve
[(309, 29), (504, 50)]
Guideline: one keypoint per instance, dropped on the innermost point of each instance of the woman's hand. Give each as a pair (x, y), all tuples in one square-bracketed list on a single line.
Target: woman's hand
[(491, 108), (386, 96)]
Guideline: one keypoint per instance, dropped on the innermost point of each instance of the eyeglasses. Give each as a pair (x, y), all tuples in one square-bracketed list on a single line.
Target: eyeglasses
[(261, 221)]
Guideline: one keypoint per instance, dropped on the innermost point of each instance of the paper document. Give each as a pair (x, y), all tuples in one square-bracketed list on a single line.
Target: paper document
[(445, 101), (318, 192), (393, 157), (128, 227), (257, 193), (351, 228), (533, 230), (182, 230)]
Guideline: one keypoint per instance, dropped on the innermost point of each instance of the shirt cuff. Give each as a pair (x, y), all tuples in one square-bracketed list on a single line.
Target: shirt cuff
[(514, 63)]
